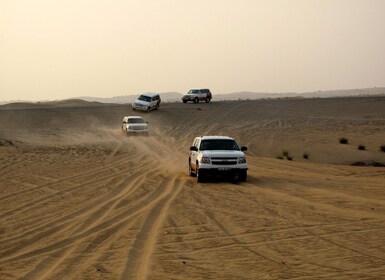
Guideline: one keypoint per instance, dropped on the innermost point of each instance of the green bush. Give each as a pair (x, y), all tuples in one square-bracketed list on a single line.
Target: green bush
[(344, 140), (306, 156), (361, 147), (382, 148)]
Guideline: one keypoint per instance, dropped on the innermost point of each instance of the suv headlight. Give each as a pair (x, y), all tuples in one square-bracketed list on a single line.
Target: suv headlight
[(205, 160), (242, 160)]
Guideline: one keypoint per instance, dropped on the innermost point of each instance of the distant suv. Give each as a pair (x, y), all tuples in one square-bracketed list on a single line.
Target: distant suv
[(134, 125), (217, 155), (197, 95), (147, 102)]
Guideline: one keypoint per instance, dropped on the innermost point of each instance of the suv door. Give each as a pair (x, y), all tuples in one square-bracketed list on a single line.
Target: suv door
[(202, 95), (193, 154), (157, 99), (124, 123), (154, 102)]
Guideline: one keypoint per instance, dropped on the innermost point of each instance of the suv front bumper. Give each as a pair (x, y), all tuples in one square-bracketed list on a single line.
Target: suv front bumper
[(140, 107), (221, 171)]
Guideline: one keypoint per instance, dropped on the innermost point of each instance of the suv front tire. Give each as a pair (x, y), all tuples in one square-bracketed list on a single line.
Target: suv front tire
[(200, 175), (242, 176), (190, 171)]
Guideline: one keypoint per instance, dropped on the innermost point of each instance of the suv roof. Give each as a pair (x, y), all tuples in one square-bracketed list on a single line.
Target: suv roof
[(133, 117), (150, 94), (216, 137), (125, 118), (205, 89)]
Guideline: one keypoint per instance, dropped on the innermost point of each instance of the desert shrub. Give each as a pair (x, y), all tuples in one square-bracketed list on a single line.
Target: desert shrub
[(285, 154), (382, 148), (361, 147), (305, 155), (344, 140)]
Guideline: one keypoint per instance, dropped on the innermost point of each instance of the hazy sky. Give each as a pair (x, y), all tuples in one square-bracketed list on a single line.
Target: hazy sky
[(57, 49)]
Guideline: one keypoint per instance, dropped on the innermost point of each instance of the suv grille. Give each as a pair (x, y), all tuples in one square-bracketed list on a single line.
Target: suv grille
[(224, 161), (139, 128)]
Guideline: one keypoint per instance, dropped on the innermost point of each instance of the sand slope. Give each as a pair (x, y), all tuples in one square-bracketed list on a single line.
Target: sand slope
[(80, 200)]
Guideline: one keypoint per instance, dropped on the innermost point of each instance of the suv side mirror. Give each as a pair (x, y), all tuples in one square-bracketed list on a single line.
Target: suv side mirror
[(243, 148), (193, 148)]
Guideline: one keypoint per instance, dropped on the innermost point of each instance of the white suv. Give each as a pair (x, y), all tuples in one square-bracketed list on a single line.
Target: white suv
[(217, 155), (196, 95), (134, 125), (147, 102)]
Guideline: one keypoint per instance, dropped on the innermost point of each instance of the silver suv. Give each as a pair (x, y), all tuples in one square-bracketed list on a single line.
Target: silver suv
[(215, 156), (196, 95), (147, 102)]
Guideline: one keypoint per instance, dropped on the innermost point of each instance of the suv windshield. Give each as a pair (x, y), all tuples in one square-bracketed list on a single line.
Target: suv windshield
[(145, 98), (219, 144), (193, 91), (135, 121)]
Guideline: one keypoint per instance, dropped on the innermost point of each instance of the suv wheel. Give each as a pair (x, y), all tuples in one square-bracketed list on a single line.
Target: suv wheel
[(200, 175), (190, 171), (207, 99), (196, 100), (242, 176), (148, 109)]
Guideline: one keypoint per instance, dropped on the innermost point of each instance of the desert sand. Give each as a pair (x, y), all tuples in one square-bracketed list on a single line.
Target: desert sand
[(81, 200)]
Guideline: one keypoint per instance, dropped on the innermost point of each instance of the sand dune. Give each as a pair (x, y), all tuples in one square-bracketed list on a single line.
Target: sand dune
[(81, 200)]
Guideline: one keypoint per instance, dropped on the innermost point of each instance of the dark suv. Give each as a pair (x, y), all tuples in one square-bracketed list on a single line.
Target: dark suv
[(196, 95)]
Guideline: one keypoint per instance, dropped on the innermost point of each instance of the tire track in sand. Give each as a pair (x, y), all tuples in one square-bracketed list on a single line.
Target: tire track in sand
[(138, 260), (236, 238)]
